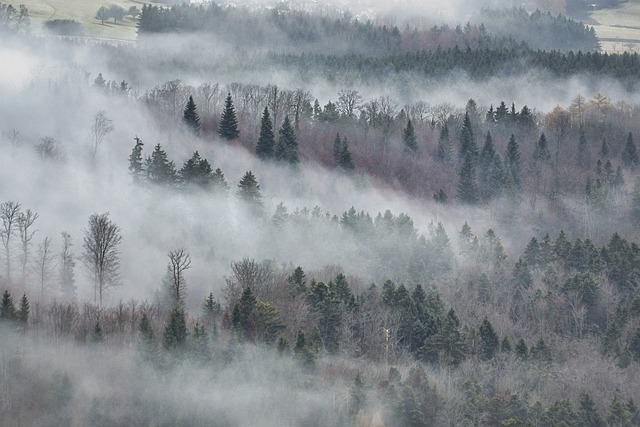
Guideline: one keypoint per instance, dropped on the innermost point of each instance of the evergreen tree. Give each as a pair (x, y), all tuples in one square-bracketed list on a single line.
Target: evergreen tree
[(505, 346), (287, 147), (440, 197), (337, 150), (514, 165), (522, 351), (249, 193), (175, 332), (190, 118), (541, 153), (619, 414), (197, 172), (228, 128), (604, 149), (97, 333), (584, 158), (409, 140), (218, 182), (136, 169), (588, 415), (303, 352), (160, 170), (467, 188), (635, 202), (23, 311), (7, 309), (346, 161), (443, 149), (489, 341), (630, 154), (467, 140), (266, 140), (522, 274), (485, 168)]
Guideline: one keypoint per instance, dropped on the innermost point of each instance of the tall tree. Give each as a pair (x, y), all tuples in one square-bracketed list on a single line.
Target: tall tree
[(136, 168), (67, 264), (179, 262), (101, 255), (630, 154), (10, 215), (266, 140), (467, 186), (190, 118), (489, 340), (287, 147), (101, 126), (196, 172), (443, 149), (44, 263), (513, 166), (25, 222), (175, 332), (7, 308), (409, 141), (346, 160), (228, 128), (467, 140)]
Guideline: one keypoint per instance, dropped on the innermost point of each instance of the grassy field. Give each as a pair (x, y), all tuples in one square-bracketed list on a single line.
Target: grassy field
[(83, 11), (619, 27)]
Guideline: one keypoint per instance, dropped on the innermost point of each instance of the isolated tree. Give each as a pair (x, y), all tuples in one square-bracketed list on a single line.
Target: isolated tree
[(25, 222), (228, 128), (266, 141), (136, 168), (287, 147), (249, 193), (10, 215), (190, 118), (160, 170), (409, 141), (100, 128), (179, 262), (116, 12), (630, 154), (102, 15), (440, 197), (44, 263), (67, 264), (101, 255)]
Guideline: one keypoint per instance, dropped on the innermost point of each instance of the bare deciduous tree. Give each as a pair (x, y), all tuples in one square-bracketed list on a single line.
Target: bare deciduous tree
[(67, 263), (349, 100), (44, 263), (100, 128), (179, 262), (9, 213), (101, 256), (25, 221)]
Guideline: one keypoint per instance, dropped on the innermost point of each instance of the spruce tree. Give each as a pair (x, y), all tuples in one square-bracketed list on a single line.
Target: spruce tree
[(485, 166), (249, 193), (467, 187), (287, 147), (443, 149), (513, 166), (190, 118), (588, 414), (23, 311), (489, 341), (219, 183), (7, 309), (467, 140), (97, 333), (337, 150), (584, 158), (136, 169), (266, 140), (635, 202), (228, 128), (160, 170), (409, 141), (440, 197), (196, 171), (175, 332), (346, 160), (541, 153), (630, 154)]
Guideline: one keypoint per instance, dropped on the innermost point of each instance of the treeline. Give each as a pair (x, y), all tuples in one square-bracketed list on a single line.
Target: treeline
[(303, 30)]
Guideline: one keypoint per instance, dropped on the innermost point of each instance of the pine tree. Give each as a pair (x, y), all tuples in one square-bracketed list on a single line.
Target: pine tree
[(266, 140), (505, 346), (337, 150), (249, 193), (287, 147), (440, 197), (604, 149), (228, 128), (196, 171), (147, 348), (619, 414), (190, 118), (584, 158), (522, 274), (136, 169), (630, 154), (443, 149), (219, 183), (467, 188), (467, 140), (541, 153), (588, 414), (409, 140), (521, 350), (160, 170), (485, 167)]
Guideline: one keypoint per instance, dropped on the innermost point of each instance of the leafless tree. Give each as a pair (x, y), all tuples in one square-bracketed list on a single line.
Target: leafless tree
[(349, 100), (25, 221), (100, 128), (101, 255), (301, 98), (50, 149), (67, 264), (248, 273), (9, 213), (44, 263), (179, 262)]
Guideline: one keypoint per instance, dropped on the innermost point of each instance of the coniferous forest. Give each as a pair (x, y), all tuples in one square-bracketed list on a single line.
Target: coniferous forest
[(293, 216)]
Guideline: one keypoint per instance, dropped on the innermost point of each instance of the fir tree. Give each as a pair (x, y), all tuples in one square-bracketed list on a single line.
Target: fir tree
[(635, 202), (514, 166), (604, 149), (505, 346), (541, 153), (443, 149), (346, 161), (337, 150), (196, 171), (249, 193), (409, 140), (489, 341), (467, 140), (190, 118), (440, 197), (136, 169), (23, 311), (228, 128), (287, 147), (160, 170), (630, 154), (97, 333), (218, 182), (467, 187), (485, 167), (521, 350), (175, 332), (584, 158), (7, 309), (588, 414), (266, 140)]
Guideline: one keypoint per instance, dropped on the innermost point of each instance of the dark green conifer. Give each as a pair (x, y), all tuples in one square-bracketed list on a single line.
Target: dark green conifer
[(249, 193), (630, 154), (175, 332), (160, 170), (228, 128), (97, 333), (266, 140), (287, 147), (190, 118), (467, 187), (7, 309), (409, 140), (23, 311), (136, 169), (489, 341)]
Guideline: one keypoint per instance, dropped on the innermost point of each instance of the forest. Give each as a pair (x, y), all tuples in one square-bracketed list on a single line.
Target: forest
[(276, 216)]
